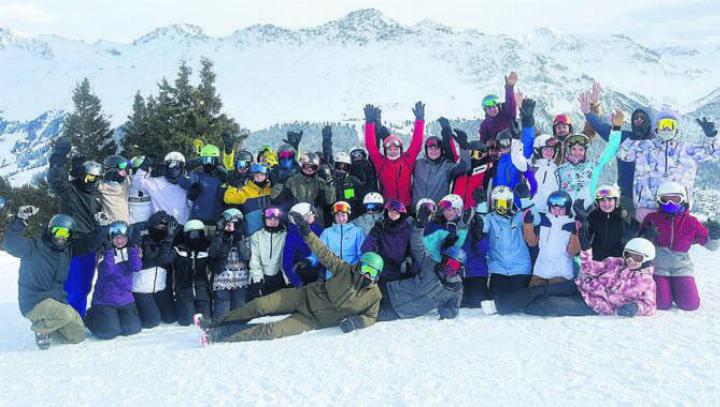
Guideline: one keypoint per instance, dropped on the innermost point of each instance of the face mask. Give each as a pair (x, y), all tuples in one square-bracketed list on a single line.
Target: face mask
[(671, 208), (157, 234), (666, 135), (115, 176), (173, 172), (208, 168)]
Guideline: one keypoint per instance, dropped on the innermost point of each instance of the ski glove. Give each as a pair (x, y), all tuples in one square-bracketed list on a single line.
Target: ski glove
[(628, 310), (527, 112), (326, 134), (370, 114), (713, 228), (172, 228), (194, 192), (350, 323), (294, 138), (449, 240), (419, 111), (301, 265), (581, 214), (477, 227), (300, 222), (63, 145), (423, 216), (444, 124), (584, 237), (462, 139), (708, 127), (102, 218), (227, 142), (25, 212), (649, 232)]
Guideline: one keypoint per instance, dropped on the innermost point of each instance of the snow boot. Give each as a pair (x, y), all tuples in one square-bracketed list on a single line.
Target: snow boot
[(42, 340)]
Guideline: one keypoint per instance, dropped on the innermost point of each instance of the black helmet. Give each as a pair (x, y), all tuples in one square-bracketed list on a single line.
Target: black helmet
[(58, 222), (115, 161), (92, 168), (243, 159)]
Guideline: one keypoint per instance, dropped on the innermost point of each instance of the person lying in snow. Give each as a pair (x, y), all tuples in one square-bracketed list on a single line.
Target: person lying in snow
[(351, 299)]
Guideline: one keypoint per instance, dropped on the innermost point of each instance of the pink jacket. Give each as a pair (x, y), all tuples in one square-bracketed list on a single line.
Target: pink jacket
[(395, 176), (677, 232), (607, 285)]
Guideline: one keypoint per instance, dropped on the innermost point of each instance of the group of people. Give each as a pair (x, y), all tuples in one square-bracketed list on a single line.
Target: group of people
[(512, 221)]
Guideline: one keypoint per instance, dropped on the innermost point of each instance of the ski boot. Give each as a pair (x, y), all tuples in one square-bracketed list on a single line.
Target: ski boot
[(42, 340)]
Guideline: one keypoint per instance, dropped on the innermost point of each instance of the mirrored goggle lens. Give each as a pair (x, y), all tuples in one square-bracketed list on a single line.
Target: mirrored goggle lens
[(445, 205), (432, 143), (286, 155), (557, 201), (603, 193), (636, 257), (561, 119), (123, 165), (476, 154), (369, 271), (208, 160), (372, 207), (453, 264), (490, 103), (273, 213), (395, 206), (430, 205), (242, 164), (667, 124), (577, 139), (341, 207), (60, 232), (671, 198), (396, 143), (502, 204), (90, 179)]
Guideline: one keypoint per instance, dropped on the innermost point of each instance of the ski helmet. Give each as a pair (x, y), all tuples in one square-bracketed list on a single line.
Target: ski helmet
[(303, 208), (560, 199), (607, 191), (358, 153), (92, 170), (209, 155), (395, 205), (61, 226), (342, 157), (371, 265), (451, 201), (490, 101), (425, 202), (341, 206), (174, 157), (672, 197), (666, 124), (373, 202), (545, 140), (562, 119), (115, 161), (640, 246), (137, 161), (286, 151), (194, 229), (392, 140), (258, 168), (118, 228), (501, 199), (453, 261), (310, 160), (231, 215), (243, 160)]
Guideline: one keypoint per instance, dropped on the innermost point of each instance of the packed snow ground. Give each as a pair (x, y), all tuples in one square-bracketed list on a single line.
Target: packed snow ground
[(670, 359)]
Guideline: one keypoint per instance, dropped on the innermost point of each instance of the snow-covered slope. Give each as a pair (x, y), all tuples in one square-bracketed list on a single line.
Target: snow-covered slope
[(670, 359), (268, 74)]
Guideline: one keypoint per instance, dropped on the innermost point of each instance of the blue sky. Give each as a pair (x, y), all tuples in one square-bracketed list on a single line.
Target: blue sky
[(651, 21)]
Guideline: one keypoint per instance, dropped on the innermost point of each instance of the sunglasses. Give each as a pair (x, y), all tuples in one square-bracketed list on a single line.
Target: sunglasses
[(671, 198), (636, 257), (89, 179), (341, 207), (60, 232), (369, 272), (272, 213), (667, 124)]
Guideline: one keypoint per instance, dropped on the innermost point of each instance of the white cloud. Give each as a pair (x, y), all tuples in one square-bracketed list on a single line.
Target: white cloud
[(24, 13)]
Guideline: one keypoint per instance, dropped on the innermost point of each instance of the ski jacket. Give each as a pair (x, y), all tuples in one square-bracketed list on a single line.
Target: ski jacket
[(607, 231), (476, 251), (115, 277), (657, 161), (395, 176), (437, 230), (557, 246), (165, 195), (465, 184), (547, 180), (432, 179), (114, 197), (424, 292), (677, 232), (190, 265), (391, 240), (140, 203), (367, 221), (344, 241), (364, 171), (294, 250), (507, 250), (303, 188), (608, 285), (156, 259), (208, 205), (347, 188), (251, 199), (491, 126), (229, 255), (265, 254), (43, 268)]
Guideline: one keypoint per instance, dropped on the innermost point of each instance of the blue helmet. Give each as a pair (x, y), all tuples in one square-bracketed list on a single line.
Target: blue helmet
[(118, 228), (455, 253), (259, 169), (560, 198)]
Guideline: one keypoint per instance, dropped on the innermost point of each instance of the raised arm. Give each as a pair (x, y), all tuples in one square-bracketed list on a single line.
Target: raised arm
[(370, 144), (609, 152), (418, 131)]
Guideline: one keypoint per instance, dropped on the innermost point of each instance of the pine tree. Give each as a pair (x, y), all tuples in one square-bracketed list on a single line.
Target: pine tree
[(87, 126), (136, 127)]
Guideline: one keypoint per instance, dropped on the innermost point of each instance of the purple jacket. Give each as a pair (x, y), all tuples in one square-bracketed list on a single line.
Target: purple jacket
[(677, 232), (392, 242), (491, 126), (114, 282)]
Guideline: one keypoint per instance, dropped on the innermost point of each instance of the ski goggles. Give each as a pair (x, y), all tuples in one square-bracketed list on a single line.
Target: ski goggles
[(341, 207), (490, 102), (551, 142), (577, 139), (452, 267), (369, 271), (357, 155), (559, 201), (242, 164), (286, 155), (270, 213), (259, 169), (432, 143), (123, 165), (208, 160), (195, 234), (89, 179), (636, 257), (430, 205), (60, 232), (502, 205), (665, 199), (342, 167), (605, 193), (667, 124), (394, 142), (476, 154), (445, 205), (310, 166), (372, 207), (394, 205)]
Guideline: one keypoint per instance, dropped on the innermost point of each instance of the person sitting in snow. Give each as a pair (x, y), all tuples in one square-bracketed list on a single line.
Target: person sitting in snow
[(350, 299), (44, 264)]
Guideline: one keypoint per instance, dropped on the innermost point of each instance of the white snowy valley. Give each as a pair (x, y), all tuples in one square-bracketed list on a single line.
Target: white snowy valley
[(672, 358)]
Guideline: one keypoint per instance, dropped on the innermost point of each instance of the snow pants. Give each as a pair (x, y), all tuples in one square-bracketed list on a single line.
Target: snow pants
[(226, 300), (556, 300), (109, 321), (288, 301), (501, 284), (52, 317), (79, 281), (475, 290), (156, 307), (679, 289), (189, 302)]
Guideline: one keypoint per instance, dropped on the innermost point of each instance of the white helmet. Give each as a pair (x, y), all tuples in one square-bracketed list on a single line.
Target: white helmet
[(373, 197), (454, 200), (502, 199), (342, 157), (642, 247), (303, 208), (542, 141), (671, 188), (422, 202), (607, 191), (174, 156)]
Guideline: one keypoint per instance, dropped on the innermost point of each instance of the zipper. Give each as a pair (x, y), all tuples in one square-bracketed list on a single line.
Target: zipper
[(192, 274), (342, 237), (666, 158), (607, 221), (397, 182)]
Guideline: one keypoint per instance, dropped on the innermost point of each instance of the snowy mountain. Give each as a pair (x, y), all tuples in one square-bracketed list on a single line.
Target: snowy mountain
[(268, 74)]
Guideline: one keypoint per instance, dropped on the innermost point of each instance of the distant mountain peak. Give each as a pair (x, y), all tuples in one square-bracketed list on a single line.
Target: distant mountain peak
[(173, 32)]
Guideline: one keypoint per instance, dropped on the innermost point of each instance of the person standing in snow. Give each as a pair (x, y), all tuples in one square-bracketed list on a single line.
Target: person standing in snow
[(498, 115), (204, 186), (161, 183), (252, 198), (229, 255), (344, 239), (266, 247), (606, 223), (362, 169), (44, 265), (350, 300), (309, 185), (190, 272), (140, 203), (347, 186), (114, 188), (449, 226), (395, 168)]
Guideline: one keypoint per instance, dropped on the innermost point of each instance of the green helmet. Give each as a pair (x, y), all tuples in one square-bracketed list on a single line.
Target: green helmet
[(209, 150), (371, 264)]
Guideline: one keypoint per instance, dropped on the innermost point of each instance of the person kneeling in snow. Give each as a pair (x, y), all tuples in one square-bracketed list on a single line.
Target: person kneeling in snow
[(44, 265), (351, 299), (621, 286)]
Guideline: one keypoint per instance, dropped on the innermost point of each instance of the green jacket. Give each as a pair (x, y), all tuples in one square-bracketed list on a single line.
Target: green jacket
[(343, 295), (301, 188)]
